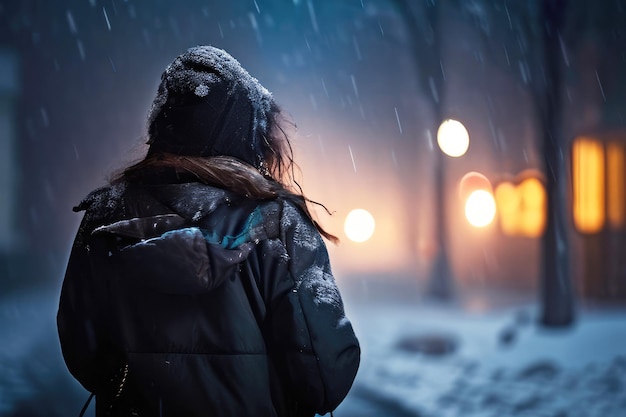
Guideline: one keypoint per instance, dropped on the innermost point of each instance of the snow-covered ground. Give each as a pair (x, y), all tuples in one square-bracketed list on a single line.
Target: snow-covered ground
[(500, 363)]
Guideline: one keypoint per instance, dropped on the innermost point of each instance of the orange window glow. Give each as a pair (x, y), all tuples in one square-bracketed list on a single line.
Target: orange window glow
[(533, 196), (588, 185), (522, 208)]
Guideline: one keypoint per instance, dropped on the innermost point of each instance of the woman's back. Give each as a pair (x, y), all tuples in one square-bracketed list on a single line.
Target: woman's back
[(198, 284), (193, 281)]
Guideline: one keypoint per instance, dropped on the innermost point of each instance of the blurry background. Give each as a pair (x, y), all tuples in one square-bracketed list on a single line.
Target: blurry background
[(366, 82), (540, 87)]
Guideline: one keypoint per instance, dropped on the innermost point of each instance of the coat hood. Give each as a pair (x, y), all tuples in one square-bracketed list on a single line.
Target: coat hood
[(208, 105), (181, 252), (179, 261)]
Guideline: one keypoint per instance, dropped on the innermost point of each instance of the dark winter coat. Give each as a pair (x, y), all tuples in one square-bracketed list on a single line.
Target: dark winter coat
[(187, 300)]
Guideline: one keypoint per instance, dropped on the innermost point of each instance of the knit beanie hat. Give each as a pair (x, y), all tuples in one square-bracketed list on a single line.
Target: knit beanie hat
[(208, 105)]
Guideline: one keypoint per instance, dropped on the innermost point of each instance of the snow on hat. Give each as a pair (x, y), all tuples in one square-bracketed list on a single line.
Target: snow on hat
[(208, 105)]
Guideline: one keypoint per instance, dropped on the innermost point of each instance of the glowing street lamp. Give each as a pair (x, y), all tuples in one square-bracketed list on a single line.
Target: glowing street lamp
[(480, 208), (480, 205), (453, 138), (359, 225)]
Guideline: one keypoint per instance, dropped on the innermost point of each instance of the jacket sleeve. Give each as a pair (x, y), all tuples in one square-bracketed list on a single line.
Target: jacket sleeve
[(320, 352), (81, 320)]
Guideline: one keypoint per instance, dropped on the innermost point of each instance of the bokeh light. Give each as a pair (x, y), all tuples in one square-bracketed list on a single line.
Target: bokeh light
[(359, 225), (521, 205), (480, 208), (453, 138)]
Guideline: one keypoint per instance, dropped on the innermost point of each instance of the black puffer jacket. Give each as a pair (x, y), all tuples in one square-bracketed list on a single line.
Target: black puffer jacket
[(186, 300)]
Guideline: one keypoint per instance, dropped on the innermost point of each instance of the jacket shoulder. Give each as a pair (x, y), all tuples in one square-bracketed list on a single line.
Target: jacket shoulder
[(101, 205), (279, 215), (103, 199), (298, 228)]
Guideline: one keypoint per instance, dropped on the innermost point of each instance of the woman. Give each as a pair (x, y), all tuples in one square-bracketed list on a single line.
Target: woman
[(198, 284)]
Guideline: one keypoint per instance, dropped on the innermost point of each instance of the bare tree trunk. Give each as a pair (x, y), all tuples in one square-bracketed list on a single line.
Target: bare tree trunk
[(557, 305)]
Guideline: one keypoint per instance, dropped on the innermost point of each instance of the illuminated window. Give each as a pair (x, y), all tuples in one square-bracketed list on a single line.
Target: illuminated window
[(588, 185), (533, 201), (598, 184), (508, 203), (522, 208)]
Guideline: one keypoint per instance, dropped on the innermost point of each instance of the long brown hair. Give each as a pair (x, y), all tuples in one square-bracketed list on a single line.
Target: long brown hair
[(276, 178)]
